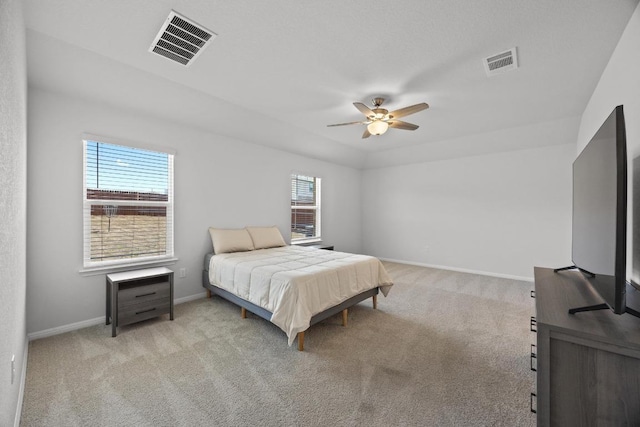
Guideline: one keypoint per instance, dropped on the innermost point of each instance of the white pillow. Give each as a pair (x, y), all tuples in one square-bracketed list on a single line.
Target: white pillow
[(266, 237), (230, 240)]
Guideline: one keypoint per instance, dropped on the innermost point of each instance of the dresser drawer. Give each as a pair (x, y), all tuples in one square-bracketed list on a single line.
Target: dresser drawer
[(137, 312), (141, 294)]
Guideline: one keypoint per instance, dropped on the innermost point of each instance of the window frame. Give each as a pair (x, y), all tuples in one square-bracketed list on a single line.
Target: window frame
[(317, 207), (97, 267)]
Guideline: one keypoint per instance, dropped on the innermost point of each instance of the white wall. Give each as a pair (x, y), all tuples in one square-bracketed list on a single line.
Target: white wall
[(620, 85), (498, 213), (219, 182), (13, 207)]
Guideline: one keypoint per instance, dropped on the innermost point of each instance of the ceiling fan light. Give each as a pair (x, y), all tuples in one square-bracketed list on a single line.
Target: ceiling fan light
[(377, 127)]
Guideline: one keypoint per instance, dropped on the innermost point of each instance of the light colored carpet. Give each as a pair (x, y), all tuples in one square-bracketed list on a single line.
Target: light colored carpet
[(444, 348)]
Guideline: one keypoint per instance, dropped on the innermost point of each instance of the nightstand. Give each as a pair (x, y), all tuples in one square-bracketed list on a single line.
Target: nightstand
[(133, 296), (321, 246)]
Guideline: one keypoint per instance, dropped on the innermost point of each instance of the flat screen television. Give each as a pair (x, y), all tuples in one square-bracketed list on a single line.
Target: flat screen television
[(599, 230)]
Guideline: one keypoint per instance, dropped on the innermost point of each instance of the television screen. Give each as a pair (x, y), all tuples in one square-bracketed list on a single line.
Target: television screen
[(600, 211)]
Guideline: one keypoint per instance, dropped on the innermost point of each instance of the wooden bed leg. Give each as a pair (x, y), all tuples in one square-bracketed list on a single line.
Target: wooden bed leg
[(301, 341), (243, 312), (375, 302), (208, 293), (345, 312)]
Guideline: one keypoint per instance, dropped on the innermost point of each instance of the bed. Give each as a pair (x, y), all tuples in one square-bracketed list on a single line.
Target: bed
[(293, 287)]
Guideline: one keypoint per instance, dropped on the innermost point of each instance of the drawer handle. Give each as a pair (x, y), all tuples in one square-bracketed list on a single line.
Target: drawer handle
[(533, 294), (534, 356), (533, 397), (145, 311), (145, 295), (534, 324)]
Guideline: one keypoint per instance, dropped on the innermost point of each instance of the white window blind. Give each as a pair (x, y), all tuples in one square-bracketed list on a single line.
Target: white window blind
[(305, 208), (127, 204)]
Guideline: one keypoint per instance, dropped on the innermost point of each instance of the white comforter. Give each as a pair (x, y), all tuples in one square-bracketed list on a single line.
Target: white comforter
[(295, 283)]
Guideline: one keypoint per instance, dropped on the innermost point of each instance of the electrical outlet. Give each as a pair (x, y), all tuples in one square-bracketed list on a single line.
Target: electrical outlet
[(13, 367), (183, 273)]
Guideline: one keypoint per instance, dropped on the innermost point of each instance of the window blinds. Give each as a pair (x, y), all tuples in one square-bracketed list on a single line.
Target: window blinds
[(127, 204), (305, 207)]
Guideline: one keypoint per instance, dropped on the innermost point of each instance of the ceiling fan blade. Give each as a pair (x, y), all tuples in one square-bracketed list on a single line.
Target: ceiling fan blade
[(397, 124), (408, 110), (366, 134), (350, 123), (364, 109)]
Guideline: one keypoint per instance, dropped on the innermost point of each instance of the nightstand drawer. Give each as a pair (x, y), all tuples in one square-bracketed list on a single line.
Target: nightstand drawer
[(141, 294), (137, 312)]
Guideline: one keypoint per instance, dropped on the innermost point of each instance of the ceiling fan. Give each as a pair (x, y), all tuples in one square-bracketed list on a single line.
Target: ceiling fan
[(379, 120)]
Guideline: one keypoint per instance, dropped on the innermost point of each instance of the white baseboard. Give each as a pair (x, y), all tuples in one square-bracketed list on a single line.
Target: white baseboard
[(95, 321), (65, 328), (190, 298), (23, 381), (461, 270)]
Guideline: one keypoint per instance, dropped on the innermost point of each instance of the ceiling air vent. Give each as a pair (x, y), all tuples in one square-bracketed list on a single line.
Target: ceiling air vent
[(180, 39), (501, 62)]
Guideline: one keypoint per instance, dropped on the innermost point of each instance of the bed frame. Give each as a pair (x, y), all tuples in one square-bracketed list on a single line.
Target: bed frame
[(265, 314)]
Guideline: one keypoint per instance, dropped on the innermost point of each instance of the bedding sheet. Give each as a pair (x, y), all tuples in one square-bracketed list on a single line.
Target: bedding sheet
[(295, 283)]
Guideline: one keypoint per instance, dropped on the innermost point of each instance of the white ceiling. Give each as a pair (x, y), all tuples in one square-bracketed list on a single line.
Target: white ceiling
[(281, 70)]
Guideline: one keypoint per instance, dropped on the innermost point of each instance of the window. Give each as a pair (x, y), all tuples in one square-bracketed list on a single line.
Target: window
[(128, 205), (305, 208)]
